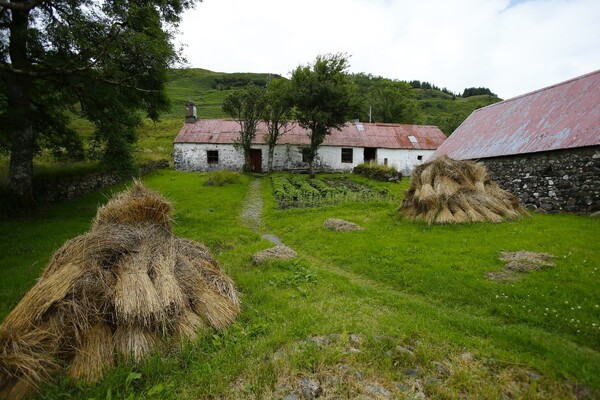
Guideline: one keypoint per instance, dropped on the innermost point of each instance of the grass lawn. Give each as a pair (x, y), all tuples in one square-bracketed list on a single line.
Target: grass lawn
[(397, 310)]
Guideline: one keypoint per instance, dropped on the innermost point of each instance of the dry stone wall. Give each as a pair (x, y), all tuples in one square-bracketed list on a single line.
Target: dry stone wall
[(553, 181), (70, 188)]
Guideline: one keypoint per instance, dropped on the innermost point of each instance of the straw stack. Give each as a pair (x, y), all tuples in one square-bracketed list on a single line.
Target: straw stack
[(447, 191), (114, 292)]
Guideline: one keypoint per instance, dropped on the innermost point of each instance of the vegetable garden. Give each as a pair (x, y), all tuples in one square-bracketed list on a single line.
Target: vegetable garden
[(298, 191)]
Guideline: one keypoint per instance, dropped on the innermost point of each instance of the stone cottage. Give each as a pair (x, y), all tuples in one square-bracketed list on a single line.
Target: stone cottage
[(207, 145), (543, 146)]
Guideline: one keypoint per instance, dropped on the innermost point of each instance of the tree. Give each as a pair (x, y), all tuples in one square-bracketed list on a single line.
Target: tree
[(392, 101), (324, 97), (246, 106), (106, 59), (278, 112)]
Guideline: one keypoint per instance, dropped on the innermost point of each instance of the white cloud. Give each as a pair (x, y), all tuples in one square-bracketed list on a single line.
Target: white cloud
[(510, 47)]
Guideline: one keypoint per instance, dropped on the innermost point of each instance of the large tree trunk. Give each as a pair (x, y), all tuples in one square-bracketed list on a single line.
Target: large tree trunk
[(270, 161), (20, 172), (247, 161)]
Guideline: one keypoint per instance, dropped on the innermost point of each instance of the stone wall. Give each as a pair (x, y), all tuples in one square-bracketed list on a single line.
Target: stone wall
[(553, 181), (69, 188)]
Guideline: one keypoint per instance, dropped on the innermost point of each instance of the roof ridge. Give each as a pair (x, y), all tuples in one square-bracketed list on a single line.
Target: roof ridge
[(540, 90)]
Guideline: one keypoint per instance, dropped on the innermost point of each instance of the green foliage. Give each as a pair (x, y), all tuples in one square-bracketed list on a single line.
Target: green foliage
[(296, 191), (106, 59), (246, 106), (386, 100), (238, 80), (277, 113), (222, 178), (468, 92), (323, 96), (376, 171)]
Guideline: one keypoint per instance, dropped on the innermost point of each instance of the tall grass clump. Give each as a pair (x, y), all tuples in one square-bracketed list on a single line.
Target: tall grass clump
[(222, 178), (378, 172)]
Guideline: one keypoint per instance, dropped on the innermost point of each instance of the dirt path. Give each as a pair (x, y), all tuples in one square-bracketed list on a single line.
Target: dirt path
[(253, 205), (251, 214)]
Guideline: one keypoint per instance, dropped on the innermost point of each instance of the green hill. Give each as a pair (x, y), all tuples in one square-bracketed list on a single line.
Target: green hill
[(207, 89), (447, 111)]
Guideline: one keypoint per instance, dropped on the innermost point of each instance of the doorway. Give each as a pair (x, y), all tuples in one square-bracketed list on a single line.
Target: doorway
[(256, 160), (370, 154)]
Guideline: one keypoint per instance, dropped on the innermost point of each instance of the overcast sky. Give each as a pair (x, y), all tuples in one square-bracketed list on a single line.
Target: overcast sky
[(509, 46)]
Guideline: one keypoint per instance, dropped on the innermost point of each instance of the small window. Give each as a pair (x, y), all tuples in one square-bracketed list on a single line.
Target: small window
[(419, 158), (212, 156), (347, 155)]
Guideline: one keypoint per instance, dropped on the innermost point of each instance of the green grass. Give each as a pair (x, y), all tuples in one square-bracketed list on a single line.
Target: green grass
[(396, 283)]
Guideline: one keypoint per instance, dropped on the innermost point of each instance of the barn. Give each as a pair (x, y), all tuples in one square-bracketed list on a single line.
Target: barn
[(543, 146), (207, 145)]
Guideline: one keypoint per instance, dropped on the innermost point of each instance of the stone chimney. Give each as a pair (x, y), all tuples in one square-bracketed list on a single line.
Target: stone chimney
[(190, 113)]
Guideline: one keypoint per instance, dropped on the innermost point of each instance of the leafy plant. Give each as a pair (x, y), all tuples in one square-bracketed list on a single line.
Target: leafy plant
[(377, 171)]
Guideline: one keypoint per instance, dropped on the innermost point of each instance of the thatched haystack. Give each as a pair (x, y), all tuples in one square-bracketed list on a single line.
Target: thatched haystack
[(114, 292), (449, 191)]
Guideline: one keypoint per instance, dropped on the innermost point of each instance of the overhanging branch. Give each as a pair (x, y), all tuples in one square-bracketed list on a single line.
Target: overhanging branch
[(22, 5)]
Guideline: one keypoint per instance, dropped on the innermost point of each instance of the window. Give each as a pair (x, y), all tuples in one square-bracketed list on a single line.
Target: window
[(419, 158), (347, 155), (212, 156)]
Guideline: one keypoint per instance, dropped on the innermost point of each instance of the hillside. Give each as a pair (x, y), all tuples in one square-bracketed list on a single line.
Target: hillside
[(447, 111), (206, 89)]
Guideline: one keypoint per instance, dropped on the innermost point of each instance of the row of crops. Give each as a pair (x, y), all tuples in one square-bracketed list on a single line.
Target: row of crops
[(300, 191)]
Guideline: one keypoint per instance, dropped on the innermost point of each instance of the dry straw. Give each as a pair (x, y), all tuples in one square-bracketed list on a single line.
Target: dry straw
[(447, 191), (116, 291)]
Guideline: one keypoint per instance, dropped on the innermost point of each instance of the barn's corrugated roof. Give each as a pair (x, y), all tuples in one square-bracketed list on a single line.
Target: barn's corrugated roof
[(391, 136), (561, 116)]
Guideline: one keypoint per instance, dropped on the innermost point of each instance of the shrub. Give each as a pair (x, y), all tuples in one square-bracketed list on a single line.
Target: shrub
[(222, 178), (378, 172)]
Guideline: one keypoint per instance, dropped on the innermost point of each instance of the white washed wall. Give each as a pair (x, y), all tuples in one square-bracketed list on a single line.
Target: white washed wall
[(404, 160), (192, 157)]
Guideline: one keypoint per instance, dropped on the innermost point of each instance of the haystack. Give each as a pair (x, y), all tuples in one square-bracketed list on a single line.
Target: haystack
[(447, 191), (114, 292)]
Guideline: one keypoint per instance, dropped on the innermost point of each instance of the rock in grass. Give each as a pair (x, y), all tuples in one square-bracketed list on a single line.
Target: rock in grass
[(280, 252), (338, 225)]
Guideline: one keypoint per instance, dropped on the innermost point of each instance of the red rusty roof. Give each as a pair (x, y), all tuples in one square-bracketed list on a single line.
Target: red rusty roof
[(562, 116), (391, 136)]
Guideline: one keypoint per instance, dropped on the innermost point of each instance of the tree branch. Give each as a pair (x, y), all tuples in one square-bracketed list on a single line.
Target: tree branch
[(22, 5)]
